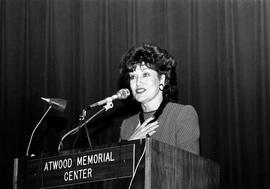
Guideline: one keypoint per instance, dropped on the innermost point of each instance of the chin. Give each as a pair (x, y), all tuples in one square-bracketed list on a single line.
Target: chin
[(140, 99)]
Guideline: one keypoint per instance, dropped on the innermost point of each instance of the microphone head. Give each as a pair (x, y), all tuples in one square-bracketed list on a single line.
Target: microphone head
[(123, 94), (57, 103)]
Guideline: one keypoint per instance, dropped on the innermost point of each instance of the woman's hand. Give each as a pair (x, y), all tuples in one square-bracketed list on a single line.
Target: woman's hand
[(142, 130)]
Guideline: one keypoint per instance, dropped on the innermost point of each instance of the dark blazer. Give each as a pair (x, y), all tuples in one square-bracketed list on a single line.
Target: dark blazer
[(178, 126)]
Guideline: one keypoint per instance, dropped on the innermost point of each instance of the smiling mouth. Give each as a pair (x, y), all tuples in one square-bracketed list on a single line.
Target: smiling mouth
[(140, 90)]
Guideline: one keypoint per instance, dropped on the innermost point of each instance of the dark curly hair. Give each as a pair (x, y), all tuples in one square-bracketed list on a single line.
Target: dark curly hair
[(155, 58)]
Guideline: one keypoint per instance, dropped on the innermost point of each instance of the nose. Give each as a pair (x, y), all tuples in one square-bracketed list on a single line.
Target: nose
[(138, 81)]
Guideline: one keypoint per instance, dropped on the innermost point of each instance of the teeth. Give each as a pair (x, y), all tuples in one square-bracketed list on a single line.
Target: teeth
[(141, 90)]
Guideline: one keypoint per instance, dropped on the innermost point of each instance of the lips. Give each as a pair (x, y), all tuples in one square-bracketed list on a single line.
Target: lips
[(140, 90)]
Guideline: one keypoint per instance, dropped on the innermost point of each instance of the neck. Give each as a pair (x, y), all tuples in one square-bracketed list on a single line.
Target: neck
[(152, 105)]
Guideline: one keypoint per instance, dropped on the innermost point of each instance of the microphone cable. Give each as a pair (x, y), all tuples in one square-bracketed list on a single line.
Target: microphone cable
[(135, 170)]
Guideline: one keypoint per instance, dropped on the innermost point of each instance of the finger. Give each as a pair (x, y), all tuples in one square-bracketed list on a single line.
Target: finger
[(147, 121), (143, 129), (150, 125), (148, 129), (151, 133), (139, 125)]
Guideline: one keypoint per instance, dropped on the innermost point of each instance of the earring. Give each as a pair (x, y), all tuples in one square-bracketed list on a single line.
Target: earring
[(161, 87)]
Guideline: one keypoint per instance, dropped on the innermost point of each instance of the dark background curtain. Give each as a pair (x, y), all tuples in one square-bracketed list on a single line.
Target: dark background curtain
[(71, 49)]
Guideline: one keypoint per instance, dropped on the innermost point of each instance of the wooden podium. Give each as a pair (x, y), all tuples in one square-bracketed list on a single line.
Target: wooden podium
[(148, 164)]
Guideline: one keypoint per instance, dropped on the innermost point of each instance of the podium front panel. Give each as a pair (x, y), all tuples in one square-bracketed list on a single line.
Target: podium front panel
[(78, 168)]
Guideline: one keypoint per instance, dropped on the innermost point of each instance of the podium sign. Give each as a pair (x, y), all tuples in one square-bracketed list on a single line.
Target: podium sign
[(82, 167)]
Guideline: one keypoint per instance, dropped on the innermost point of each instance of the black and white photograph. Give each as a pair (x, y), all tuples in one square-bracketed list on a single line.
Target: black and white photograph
[(135, 94)]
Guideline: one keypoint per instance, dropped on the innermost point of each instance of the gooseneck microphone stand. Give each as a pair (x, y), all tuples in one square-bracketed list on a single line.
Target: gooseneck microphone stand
[(29, 143), (108, 106), (81, 119)]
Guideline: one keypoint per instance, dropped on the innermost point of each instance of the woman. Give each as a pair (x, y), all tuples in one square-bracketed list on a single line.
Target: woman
[(152, 80)]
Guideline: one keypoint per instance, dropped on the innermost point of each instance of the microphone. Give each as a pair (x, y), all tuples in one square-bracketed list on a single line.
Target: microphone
[(56, 103), (121, 94)]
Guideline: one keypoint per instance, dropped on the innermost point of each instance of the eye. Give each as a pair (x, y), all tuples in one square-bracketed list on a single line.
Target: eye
[(146, 74), (131, 77)]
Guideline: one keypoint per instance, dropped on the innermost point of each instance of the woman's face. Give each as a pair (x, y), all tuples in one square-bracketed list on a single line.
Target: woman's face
[(144, 84)]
